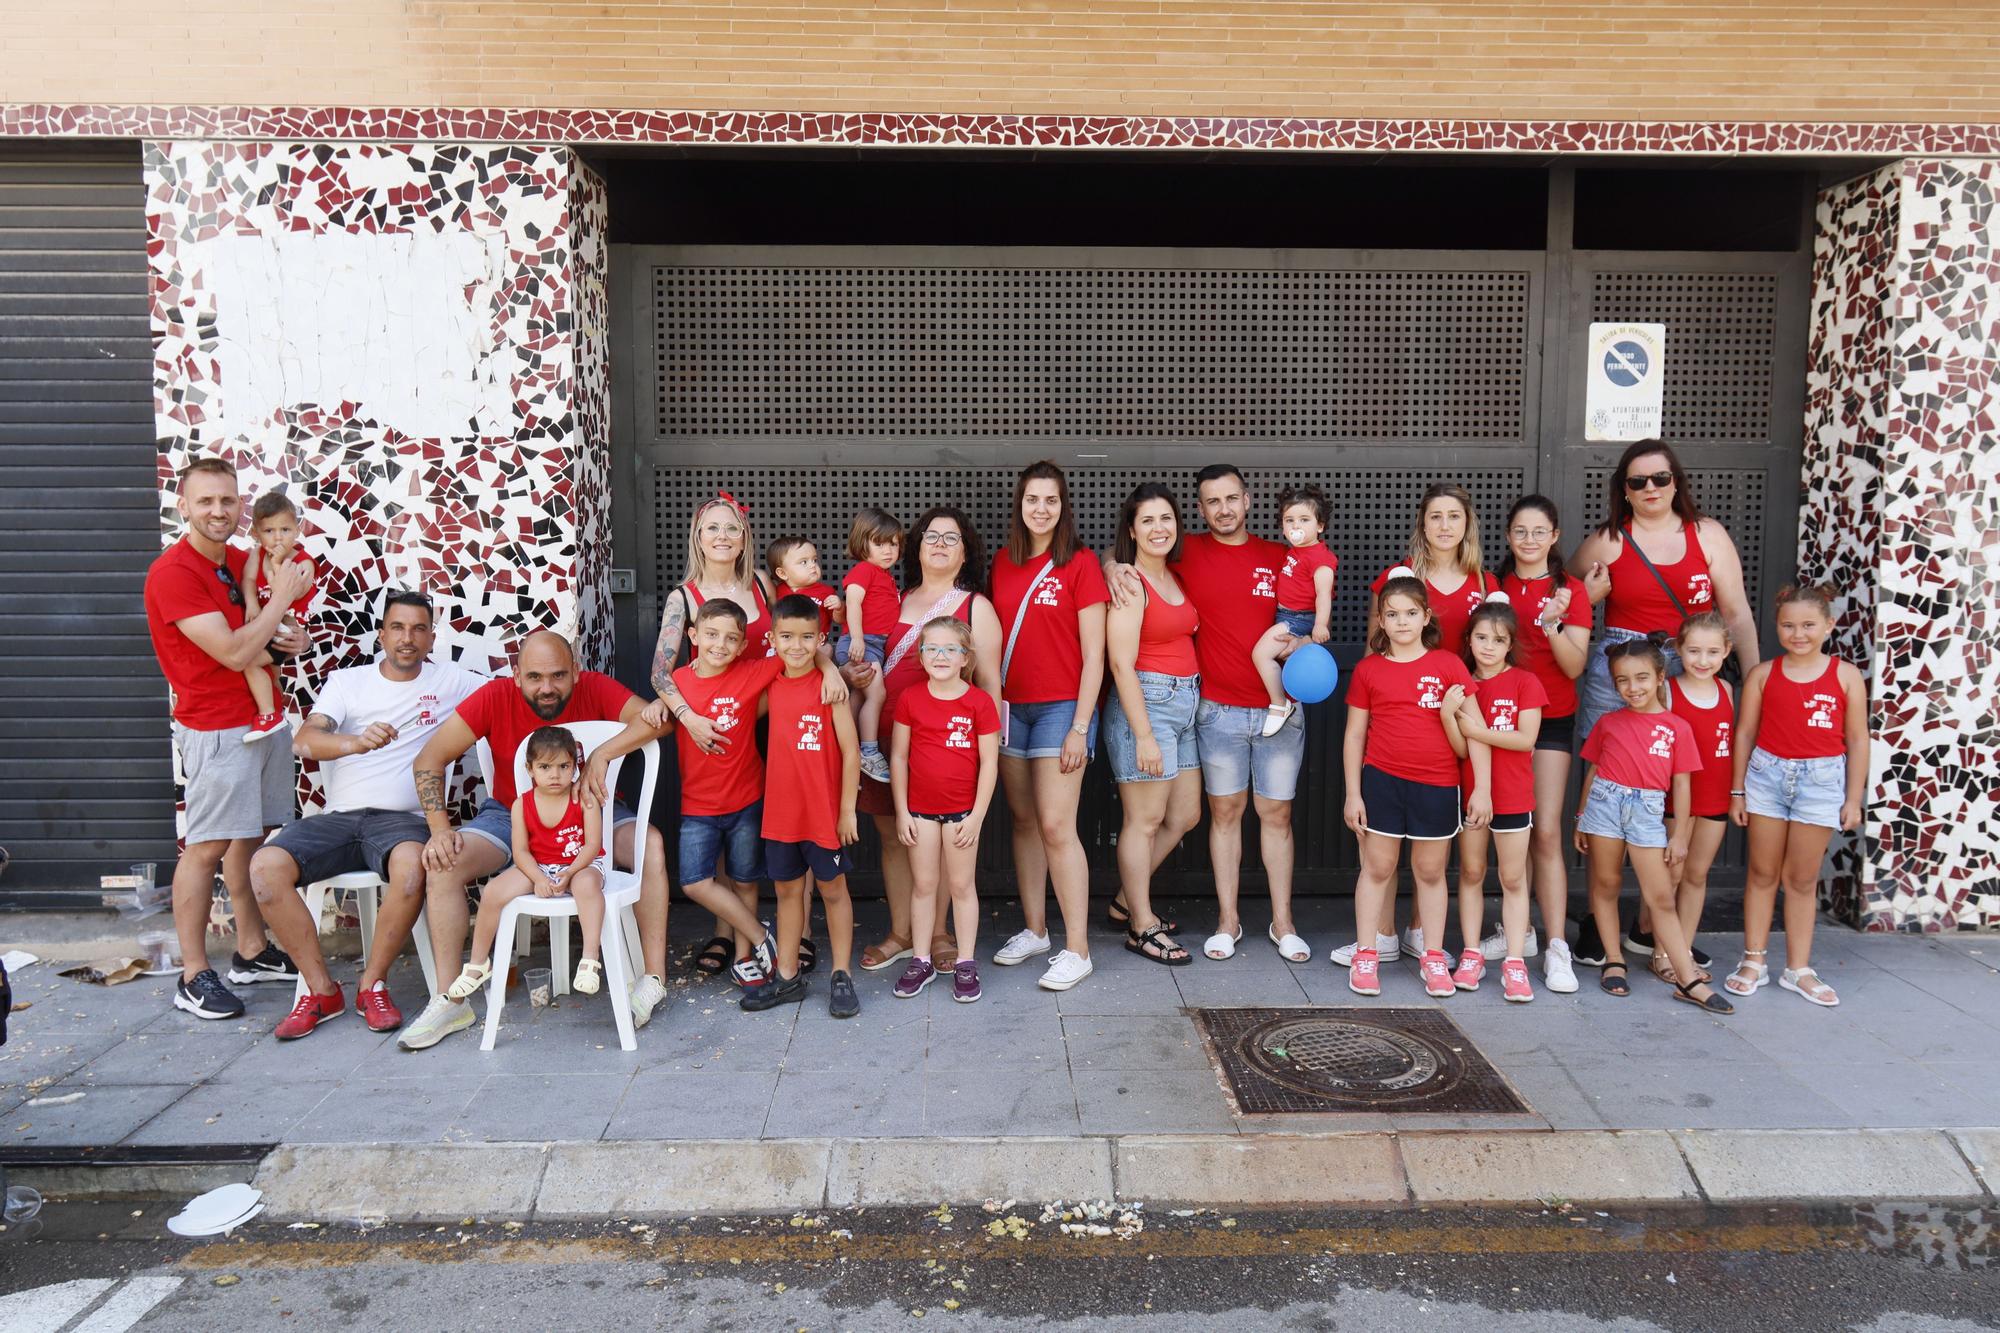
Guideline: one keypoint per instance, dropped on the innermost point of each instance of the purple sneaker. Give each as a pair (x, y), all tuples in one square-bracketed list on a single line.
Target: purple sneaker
[(965, 981), (917, 975)]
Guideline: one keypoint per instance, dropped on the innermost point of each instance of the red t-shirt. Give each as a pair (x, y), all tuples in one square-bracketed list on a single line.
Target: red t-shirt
[(552, 844), (802, 772), (1235, 588), (881, 602), (821, 593), (722, 784), (498, 714), (1453, 610), (1642, 750), (944, 746), (1528, 597), (1295, 579), (305, 598), (1405, 733), (1502, 700), (1714, 729), (1048, 656), (181, 584)]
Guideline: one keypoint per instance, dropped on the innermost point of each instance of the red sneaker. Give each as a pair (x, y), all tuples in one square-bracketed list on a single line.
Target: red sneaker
[(309, 1013), (1514, 981), (1471, 967), (377, 1010), (1436, 969), (1364, 974), (263, 725)]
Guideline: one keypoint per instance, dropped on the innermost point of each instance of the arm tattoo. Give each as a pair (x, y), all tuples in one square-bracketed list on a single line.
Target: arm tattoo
[(430, 791), (672, 625)]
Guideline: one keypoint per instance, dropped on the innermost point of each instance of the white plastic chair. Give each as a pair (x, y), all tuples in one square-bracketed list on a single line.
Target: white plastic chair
[(619, 941), (368, 890)]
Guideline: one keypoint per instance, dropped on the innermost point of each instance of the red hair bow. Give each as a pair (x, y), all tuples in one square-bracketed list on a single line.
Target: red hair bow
[(739, 506)]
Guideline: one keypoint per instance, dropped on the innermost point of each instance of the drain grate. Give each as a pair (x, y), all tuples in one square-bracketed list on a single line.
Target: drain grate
[(1401, 1060)]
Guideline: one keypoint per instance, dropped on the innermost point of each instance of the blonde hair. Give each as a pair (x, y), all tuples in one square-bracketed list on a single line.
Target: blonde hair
[(959, 630), (1469, 559), (746, 562)]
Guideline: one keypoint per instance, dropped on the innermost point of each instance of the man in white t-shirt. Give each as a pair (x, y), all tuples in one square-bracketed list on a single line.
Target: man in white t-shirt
[(365, 729)]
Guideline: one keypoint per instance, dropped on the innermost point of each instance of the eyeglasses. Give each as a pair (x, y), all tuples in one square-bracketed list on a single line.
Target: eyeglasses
[(229, 581), (939, 650), (722, 530), (946, 539), (1639, 481), (1531, 534)]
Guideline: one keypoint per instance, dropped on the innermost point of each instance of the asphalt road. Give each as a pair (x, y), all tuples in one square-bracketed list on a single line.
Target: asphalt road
[(106, 1268)]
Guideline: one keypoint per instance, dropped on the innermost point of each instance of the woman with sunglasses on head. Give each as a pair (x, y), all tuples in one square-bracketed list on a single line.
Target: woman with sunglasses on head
[(1653, 562)]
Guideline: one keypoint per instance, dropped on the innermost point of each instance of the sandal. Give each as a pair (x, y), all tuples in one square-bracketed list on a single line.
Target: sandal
[(893, 949), (715, 956), (808, 954), (469, 981), (1807, 985), (1290, 947), (1154, 945), (1663, 968), (1118, 914), (944, 954), (1712, 1002), (1617, 985), (1750, 973), (588, 973), (1221, 946)]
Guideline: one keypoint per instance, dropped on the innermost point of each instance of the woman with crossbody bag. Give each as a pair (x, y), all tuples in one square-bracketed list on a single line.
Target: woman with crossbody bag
[(944, 565), (1050, 596)]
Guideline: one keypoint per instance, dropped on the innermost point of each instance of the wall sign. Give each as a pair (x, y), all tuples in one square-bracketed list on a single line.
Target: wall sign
[(1624, 377)]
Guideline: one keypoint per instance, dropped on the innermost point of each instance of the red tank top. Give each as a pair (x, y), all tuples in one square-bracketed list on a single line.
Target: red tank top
[(756, 635), (1803, 720), (557, 844), (1637, 601), (1714, 729), (909, 670), (1166, 635)]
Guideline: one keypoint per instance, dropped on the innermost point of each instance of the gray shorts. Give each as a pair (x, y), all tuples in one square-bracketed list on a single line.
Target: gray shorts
[(235, 790), (344, 842)]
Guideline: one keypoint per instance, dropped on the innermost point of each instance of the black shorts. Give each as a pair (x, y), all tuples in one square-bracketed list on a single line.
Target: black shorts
[(784, 861), (1557, 733), (1400, 808), (1520, 823), (958, 818), (345, 842)]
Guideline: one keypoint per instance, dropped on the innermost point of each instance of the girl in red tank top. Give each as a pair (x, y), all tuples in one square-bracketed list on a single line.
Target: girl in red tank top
[(1703, 700), (1801, 757)]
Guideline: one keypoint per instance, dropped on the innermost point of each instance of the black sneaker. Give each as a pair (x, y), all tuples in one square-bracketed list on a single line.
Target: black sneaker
[(1639, 942), (779, 990), (274, 964), (843, 1003), (207, 997), (1701, 960), (1589, 950)]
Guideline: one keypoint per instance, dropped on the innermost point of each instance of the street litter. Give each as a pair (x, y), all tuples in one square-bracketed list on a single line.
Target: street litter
[(56, 1101), (106, 971), (16, 959), (218, 1211)]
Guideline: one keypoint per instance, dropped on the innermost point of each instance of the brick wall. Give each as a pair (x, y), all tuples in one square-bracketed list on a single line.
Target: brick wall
[(1641, 60)]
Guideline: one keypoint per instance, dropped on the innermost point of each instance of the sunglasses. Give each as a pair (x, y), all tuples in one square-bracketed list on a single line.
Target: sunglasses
[(229, 581), (1639, 481)]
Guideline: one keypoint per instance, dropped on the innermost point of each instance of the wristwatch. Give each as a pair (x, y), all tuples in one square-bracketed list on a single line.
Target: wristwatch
[(1079, 728)]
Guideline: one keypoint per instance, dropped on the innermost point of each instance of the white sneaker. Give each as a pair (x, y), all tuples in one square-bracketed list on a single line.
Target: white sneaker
[(1413, 942), (1494, 947), (875, 765), (1386, 947), (1556, 971), (646, 997), (1065, 970), (440, 1018), (1025, 945)]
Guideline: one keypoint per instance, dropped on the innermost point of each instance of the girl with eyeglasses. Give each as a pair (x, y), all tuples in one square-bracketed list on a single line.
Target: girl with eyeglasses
[(944, 758)]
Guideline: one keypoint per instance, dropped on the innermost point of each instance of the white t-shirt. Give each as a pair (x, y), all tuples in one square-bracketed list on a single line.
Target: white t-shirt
[(356, 696)]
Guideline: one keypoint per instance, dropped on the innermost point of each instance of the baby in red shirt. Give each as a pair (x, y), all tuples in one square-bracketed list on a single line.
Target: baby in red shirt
[(794, 562), (274, 522), (1305, 595), (874, 609)]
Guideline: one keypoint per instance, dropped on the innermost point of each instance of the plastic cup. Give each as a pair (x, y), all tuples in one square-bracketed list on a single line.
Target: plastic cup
[(162, 949), (540, 985), (23, 1202)]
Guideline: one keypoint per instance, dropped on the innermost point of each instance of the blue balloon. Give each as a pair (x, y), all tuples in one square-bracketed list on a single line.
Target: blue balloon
[(1310, 673)]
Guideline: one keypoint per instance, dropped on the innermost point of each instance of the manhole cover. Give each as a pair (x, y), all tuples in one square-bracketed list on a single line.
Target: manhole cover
[(1402, 1060)]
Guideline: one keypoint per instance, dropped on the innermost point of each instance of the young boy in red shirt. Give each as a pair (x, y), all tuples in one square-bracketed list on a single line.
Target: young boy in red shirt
[(794, 562)]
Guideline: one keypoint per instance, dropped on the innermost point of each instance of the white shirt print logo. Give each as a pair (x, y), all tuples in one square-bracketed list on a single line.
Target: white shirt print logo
[(1663, 742), (1722, 740), (809, 728), (724, 711), (1263, 582), (958, 733), (1700, 591), (1430, 692), (569, 842), (1819, 711), (1050, 593), (1504, 713)]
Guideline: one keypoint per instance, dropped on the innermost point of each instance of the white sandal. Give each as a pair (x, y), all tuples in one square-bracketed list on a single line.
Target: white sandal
[(469, 981), (1277, 715), (1793, 979), (585, 981), (1290, 947), (1221, 946), (1752, 963)]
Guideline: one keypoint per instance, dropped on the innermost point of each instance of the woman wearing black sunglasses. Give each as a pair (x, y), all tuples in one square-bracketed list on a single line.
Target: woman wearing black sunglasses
[(1653, 562)]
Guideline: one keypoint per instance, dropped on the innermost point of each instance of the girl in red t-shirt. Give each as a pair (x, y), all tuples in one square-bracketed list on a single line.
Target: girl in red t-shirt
[(1502, 711), (274, 523), (1703, 698), (558, 848), (944, 757), (875, 544), (1305, 595), (1637, 764), (1801, 758), (1402, 765)]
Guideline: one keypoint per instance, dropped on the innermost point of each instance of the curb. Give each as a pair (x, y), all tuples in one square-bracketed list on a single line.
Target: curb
[(519, 1181)]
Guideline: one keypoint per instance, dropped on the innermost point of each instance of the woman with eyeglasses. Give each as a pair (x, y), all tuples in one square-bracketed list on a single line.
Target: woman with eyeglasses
[(944, 565)]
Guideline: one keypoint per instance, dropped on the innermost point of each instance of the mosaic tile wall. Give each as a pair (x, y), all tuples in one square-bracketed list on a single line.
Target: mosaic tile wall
[(1903, 460), (399, 335)]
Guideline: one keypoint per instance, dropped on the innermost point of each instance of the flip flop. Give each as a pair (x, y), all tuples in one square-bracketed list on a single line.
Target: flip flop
[(1290, 947), (1221, 946)]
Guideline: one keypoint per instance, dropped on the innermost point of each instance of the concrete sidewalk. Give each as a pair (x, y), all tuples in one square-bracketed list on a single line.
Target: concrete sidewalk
[(1107, 1078)]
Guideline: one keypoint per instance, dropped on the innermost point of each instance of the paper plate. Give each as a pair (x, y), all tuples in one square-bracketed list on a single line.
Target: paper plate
[(217, 1211)]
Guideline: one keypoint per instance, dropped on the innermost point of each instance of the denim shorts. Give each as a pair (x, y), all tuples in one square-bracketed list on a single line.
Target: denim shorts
[(738, 839), (1805, 791), (874, 648), (1235, 752), (1037, 731), (1595, 694), (1298, 624), (1170, 707), (1639, 817), (494, 822)]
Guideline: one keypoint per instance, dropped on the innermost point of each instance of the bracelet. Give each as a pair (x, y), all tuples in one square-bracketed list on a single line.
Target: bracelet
[(1743, 794), (684, 708), (1079, 729)]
